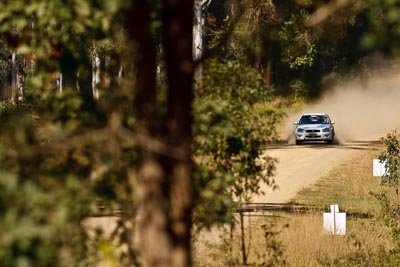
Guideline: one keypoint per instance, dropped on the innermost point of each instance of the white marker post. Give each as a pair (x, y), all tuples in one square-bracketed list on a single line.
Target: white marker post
[(335, 221), (379, 168)]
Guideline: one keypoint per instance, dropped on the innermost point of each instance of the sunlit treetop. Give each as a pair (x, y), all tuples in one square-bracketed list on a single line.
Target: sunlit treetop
[(44, 24)]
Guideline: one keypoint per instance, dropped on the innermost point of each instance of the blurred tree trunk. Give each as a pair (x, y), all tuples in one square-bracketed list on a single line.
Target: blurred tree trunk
[(178, 27), (14, 77), (164, 183), (268, 59), (113, 69), (96, 72)]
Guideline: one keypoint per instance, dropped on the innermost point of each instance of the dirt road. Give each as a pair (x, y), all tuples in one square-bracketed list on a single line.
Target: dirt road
[(301, 166), (361, 107)]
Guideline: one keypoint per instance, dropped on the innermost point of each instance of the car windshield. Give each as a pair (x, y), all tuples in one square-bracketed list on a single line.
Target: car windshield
[(314, 119)]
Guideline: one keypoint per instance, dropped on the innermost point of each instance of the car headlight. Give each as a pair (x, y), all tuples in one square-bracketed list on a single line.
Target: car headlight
[(300, 130), (326, 130)]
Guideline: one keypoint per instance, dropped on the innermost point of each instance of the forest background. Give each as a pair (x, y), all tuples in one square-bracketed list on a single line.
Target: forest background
[(106, 108)]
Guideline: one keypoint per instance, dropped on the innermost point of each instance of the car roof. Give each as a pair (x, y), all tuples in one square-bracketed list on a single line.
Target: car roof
[(314, 114)]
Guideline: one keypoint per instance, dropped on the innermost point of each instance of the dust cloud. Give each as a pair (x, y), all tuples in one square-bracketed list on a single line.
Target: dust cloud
[(363, 108)]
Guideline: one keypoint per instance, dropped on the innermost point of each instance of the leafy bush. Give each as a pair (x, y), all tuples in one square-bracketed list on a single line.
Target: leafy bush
[(390, 212), (55, 164), (232, 123)]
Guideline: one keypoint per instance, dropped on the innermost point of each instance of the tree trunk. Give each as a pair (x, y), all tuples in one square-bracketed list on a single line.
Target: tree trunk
[(268, 68), (14, 72), (60, 82), (243, 239), (114, 70), (198, 37), (164, 185), (96, 75), (198, 30), (177, 35), (20, 85)]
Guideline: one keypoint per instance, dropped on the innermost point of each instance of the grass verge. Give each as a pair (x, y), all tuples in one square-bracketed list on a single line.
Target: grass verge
[(268, 242)]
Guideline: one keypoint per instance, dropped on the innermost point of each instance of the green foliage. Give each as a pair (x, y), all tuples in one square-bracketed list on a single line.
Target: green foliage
[(391, 258), (297, 44), (55, 164), (383, 20), (63, 153), (299, 89), (60, 153), (36, 207), (391, 157), (54, 30), (391, 208), (232, 123), (274, 34), (390, 213), (254, 32), (5, 68)]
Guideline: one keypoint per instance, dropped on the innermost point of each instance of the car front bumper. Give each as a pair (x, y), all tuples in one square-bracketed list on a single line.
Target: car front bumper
[(320, 136)]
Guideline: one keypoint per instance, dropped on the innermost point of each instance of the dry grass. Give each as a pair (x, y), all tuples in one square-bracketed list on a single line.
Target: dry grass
[(304, 243), (349, 186)]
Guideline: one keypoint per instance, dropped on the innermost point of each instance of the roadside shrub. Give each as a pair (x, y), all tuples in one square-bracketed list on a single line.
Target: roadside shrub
[(232, 123)]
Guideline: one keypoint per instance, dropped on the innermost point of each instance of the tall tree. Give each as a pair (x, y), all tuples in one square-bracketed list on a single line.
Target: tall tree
[(164, 138)]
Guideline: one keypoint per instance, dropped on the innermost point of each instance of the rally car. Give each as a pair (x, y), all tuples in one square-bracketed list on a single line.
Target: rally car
[(314, 127)]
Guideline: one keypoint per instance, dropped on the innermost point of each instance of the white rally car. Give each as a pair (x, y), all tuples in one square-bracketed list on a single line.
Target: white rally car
[(314, 127)]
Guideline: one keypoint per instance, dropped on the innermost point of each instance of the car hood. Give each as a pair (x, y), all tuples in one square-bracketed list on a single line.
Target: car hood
[(313, 126)]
